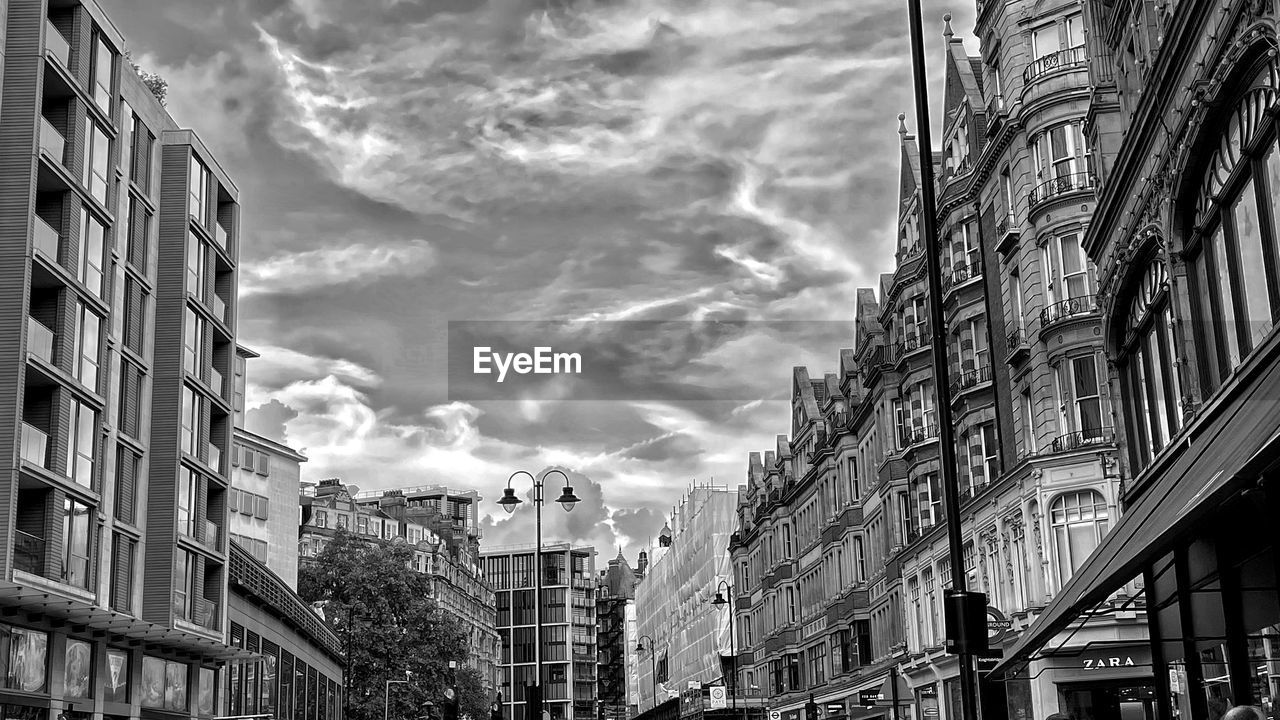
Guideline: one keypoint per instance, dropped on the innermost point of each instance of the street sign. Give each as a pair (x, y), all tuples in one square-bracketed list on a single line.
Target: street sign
[(719, 699), (775, 715)]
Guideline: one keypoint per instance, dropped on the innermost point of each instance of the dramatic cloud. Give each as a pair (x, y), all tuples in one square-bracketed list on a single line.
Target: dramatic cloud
[(406, 163)]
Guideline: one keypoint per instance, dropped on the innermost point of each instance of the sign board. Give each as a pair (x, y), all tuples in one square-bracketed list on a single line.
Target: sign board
[(695, 685), (775, 715), (869, 698), (929, 691), (997, 627), (835, 708), (719, 700), (931, 712)]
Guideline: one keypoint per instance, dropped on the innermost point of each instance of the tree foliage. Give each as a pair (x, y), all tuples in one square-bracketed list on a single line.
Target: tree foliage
[(381, 611), (158, 86)]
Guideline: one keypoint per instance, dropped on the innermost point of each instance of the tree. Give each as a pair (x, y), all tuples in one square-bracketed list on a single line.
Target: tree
[(158, 86), (381, 611)]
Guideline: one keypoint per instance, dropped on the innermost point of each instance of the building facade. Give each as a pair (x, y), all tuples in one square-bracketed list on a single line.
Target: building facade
[(118, 251), (568, 628), (617, 683), (842, 526), (444, 549), (688, 635), (1181, 119)]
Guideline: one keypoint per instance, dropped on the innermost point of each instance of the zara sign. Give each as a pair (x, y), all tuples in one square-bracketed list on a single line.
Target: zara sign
[(1115, 661)]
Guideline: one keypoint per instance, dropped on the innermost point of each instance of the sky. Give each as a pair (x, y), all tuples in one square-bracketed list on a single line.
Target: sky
[(584, 170)]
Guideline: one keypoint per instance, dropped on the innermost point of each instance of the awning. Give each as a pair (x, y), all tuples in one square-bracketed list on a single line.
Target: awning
[(84, 613), (1237, 438)]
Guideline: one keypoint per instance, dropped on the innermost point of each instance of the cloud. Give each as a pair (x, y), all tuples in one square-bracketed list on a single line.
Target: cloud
[(269, 420), (327, 267)]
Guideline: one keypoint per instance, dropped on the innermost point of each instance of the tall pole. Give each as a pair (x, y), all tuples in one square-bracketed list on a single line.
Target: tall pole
[(946, 445), (537, 594)]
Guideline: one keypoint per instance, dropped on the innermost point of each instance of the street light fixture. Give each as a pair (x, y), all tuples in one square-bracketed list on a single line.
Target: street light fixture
[(653, 667), (509, 502), (718, 600)]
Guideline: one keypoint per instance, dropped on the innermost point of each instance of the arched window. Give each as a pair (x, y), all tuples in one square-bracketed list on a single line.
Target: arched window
[(1078, 520), (1234, 250), (1148, 367)]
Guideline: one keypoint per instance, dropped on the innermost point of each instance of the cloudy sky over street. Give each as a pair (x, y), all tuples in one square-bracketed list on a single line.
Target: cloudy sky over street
[(407, 163)]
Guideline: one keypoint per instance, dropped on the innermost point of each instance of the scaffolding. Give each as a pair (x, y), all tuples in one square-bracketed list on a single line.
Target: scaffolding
[(673, 601)]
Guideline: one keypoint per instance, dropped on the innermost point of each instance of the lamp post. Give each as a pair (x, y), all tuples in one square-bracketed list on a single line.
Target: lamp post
[(733, 645), (386, 696), (653, 666), (509, 502)]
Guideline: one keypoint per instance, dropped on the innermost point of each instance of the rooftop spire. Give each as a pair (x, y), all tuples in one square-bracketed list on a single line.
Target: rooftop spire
[(902, 125), (947, 32)]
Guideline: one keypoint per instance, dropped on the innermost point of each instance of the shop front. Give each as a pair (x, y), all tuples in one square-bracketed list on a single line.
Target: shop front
[(1110, 682)]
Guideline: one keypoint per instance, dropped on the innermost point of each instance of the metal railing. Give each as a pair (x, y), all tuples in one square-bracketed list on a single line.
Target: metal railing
[(39, 340), (56, 45), (995, 106), (28, 553), (966, 271), (211, 533), (1061, 59), (1071, 307), (915, 435), (206, 614), (214, 458), (35, 445), (219, 308), (1004, 225), (971, 378), (1016, 338), (1081, 438), (1061, 185), (215, 382), (47, 239), (52, 141), (220, 235)]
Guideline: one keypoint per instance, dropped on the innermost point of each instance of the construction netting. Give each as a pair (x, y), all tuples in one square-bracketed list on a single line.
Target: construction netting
[(673, 601)]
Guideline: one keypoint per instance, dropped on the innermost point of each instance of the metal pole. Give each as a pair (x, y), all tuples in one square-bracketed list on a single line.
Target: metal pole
[(346, 670), (946, 446), (653, 672), (893, 693), (537, 596)]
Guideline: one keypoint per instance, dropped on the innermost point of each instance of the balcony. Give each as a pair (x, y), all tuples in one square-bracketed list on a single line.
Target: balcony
[(1069, 308), (39, 340), (1016, 343), (1007, 233), (214, 458), (35, 445), (971, 379), (52, 142), (962, 273), (219, 308), (56, 45), (211, 532), (919, 434), (1060, 60), (995, 111), (47, 239), (28, 553), (1061, 185), (1081, 438)]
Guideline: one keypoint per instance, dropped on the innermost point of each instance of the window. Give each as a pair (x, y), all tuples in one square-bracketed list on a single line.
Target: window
[(992, 583), (186, 495), (930, 629), (139, 227), (82, 445), (140, 168), (1079, 397), (1060, 152), (198, 192), (164, 684), (983, 455), (928, 493), (1016, 300), (1028, 423), (322, 520), (1234, 260), (1006, 189), (1068, 275), (122, 576), (1147, 366), (193, 344), (87, 345), (92, 250), (916, 619), (1078, 521), (184, 567), (101, 72), (77, 542), (195, 266), (1045, 41), (27, 664), (817, 664), (96, 167), (190, 420)]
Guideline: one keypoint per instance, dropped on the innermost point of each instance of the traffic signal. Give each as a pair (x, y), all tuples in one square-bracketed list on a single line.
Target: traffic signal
[(450, 705), (532, 702)]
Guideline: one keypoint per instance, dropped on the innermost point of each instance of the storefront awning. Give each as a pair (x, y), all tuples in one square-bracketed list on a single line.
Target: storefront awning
[(1234, 440)]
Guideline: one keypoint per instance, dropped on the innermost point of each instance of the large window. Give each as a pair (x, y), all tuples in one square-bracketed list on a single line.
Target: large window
[(818, 664), (87, 345), (1079, 397), (195, 266), (190, 420), (77, 527), (1060, 151), (1068, 275), (97, 162), (928, 496), (82, 444), (1148, 368), (92, 248), (1236, 298), (1078, 521), (198, 192), (193, 344), (103, 65), (186, 500)]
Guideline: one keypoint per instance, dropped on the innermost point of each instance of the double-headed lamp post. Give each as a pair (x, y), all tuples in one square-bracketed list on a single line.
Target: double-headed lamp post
[(733, 644), (653, 666), (509, 502)]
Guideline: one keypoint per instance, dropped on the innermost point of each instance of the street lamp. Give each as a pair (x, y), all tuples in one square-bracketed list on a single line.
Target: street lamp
[(509, 502), (653, 667), (386, 696), (733, 644)]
